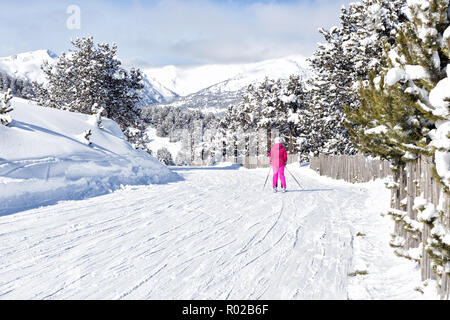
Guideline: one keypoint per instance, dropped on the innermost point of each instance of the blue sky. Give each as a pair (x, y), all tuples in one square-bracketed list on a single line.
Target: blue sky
[(180, 32)]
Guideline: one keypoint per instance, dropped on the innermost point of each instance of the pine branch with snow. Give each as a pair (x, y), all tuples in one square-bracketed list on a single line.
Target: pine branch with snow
[(87, 136), (350, 52), (5, 108), (97, 113), (405, 112), (404, 105)]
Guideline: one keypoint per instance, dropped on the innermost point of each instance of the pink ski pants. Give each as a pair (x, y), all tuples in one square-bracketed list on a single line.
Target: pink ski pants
[(278, 171)]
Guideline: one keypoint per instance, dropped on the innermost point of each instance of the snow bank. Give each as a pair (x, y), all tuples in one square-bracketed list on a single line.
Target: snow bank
[(44, 158)]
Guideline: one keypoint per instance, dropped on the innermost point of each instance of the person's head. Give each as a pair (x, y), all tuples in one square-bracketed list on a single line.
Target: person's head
[(278, 140)]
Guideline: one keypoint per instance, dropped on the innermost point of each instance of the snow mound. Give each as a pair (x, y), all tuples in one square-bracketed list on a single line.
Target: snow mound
[(44, 158)]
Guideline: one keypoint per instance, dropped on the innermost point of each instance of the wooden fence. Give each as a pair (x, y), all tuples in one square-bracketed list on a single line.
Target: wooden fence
[(415, 180), (350, 168)]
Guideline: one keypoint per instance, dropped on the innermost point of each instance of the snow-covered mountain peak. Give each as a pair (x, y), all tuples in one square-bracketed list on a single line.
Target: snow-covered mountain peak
[(188, 80), (201, 85), (43, 54), (214, 87), (27, 65)]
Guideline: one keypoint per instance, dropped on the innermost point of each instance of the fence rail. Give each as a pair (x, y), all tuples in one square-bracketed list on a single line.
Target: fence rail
[(415, 180), (350, 168)]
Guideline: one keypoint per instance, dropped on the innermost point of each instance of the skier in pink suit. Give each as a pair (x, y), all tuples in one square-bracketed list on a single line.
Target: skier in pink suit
[(278, 159)]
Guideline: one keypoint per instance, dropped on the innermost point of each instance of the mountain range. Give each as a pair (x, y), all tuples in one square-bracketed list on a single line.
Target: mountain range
[(208, 87), (214, 87)]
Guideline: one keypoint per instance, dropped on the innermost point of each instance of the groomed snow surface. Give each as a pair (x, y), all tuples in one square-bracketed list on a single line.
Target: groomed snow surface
[(213, 235), (104, 221)]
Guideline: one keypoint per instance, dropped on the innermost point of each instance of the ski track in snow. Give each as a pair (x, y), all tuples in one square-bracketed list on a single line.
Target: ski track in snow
[(215, 235)]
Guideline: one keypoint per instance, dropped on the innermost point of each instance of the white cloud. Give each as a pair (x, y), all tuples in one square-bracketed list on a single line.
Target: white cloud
[(173, 31)]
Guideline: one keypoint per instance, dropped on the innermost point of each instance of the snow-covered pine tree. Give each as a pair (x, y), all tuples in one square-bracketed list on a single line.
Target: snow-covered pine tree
[(87, 136), (5, 108), (405, 109), (271, 105), (246, 118), (98, 111), (294, 105), (273, 116), (209, 146), (330, 90), (217, 145), (366, 26), (396, 120), (242, 121), (91, 77), (350, 52), (164, 156), (229, 125), (19, 88)]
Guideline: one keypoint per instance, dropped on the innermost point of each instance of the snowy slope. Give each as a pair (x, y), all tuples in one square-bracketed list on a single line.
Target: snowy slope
[(157, 143), (215, 235), (27, 65), (44, 158), (231, 77)]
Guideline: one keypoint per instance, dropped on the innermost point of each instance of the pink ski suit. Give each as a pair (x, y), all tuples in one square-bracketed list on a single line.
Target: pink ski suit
[(278, 159)]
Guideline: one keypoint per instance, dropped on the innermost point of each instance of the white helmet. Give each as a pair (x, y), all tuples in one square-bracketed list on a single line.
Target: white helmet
[(278, 140)]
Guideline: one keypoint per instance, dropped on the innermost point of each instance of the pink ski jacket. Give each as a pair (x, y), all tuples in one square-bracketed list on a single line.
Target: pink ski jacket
[(278, 155)]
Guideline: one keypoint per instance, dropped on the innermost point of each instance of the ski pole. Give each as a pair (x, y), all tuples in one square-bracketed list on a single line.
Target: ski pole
[(268, 174), (295, 179)]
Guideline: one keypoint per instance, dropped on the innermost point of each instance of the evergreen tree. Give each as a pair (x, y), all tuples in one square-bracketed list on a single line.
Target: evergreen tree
[(19, 87), (272, 114), (272, 105), (396, 119), (90, 78), (405, 110), (164, 156), (295, 121), (350, 52)]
